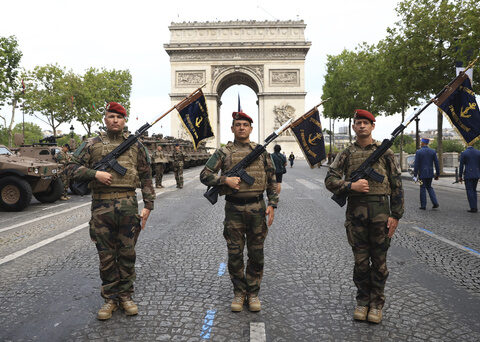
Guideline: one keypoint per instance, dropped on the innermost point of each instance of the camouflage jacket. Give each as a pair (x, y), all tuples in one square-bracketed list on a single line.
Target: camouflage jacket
[(335, 182), (178, 157), (209, 175), (80, 168)]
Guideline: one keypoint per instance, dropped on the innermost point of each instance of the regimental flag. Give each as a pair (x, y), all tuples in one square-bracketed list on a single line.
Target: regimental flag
[(462, 109), (310, 137), (23, 87), (194, 115)]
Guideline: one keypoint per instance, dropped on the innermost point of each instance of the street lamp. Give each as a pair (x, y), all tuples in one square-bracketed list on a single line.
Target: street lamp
[(71, 131)]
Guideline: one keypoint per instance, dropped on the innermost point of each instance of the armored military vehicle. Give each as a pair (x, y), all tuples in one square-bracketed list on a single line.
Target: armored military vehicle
[(192, 157), (21, 177)]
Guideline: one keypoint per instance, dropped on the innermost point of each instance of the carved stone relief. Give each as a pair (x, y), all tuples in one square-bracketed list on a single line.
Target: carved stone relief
[(189, 78), (282, 114), (284, 77)]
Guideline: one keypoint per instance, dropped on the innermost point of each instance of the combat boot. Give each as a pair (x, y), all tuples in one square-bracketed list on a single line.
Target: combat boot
[(130, 308), (63, 198), (107, 309), (254, 304), (237, 303), (375, 315), (127, 304), (360, 313)]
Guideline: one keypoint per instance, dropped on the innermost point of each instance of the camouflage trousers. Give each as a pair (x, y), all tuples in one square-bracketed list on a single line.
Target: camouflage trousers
[(366, 227), (158, 173), (178, 171), (245, 223), (114, 228), (66, 183)]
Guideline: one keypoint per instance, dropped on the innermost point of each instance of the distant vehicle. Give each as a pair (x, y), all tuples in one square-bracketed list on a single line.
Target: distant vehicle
[(21, 177), (410, 164)]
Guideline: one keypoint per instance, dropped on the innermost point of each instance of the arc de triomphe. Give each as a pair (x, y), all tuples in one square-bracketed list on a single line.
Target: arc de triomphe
[(267, 56)]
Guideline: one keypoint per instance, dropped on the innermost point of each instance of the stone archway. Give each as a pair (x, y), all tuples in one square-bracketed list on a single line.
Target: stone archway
[(267, 56)]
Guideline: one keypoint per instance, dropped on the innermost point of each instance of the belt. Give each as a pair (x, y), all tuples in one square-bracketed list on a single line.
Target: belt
[(246, 200), (368, 198), (113, 195)]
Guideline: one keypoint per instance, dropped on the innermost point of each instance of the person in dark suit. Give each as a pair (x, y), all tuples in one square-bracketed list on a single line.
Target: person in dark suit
[(425, 158), (470, 172)]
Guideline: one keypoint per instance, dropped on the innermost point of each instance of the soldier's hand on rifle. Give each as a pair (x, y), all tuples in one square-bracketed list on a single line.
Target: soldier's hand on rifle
[(103, 177), (392, 224), (144, 216), (360, 186), (233, 182), (270, 213)]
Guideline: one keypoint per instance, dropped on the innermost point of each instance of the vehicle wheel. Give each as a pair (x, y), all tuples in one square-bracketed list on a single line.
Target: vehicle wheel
[(53, 193), (15, 193)]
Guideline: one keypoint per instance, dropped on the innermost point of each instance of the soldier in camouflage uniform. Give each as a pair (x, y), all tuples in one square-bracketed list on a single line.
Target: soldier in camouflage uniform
[(115, 223), (178, 160), (245, 210), (372, 214), (158, 160), (64, 158)]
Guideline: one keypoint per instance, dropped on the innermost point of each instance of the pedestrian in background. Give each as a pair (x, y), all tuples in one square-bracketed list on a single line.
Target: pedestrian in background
[(115, 223), (158, 160), (372, 215), (280, 161), (178, 160), (470, 172), (245, 210), (425, 158), (291, 158), (63, 158)]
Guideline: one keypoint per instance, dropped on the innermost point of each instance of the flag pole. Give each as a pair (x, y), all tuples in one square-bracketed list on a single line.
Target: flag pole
[(175, 106)]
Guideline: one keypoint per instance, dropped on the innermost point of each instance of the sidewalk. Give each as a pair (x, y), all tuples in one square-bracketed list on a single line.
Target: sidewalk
[(445, 181)]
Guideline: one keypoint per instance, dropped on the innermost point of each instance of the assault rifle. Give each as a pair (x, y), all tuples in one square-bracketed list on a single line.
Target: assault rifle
[(365, 170), (239, 169)]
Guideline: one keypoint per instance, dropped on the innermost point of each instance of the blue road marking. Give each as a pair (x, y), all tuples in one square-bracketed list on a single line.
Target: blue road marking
[(221, 269), (208, 324), (472, 250)]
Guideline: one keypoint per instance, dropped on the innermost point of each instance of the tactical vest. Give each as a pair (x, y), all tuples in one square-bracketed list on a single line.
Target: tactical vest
[(356, 158), (257, 169), (158, 157), (128, 160)]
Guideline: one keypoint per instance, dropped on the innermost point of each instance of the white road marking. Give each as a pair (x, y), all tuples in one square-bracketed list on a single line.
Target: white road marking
[(24, 223), (308, 184), (257, 332), (447, 241), (54, 206), (286, 186), (42, 243)]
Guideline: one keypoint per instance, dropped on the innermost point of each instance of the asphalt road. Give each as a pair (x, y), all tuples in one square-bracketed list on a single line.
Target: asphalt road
[(49, 283)]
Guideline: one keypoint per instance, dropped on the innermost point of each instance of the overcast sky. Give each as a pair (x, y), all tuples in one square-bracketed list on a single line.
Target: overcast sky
[(130, 35)]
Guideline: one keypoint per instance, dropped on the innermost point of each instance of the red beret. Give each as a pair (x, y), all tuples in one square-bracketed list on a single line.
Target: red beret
[(364, 114), (241, 116), (114, 107)]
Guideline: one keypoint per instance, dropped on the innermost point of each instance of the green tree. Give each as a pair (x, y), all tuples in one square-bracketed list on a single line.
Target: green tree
[(438, 33), (449, 146), (96, 89), (47, 96), (33, 132), (10, 85)]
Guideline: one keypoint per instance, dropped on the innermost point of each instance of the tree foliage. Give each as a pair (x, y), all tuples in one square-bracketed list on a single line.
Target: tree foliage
[(10, 84)]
